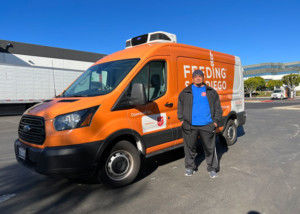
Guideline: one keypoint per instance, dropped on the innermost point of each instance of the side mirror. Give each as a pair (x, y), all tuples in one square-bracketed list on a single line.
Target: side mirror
[(138, 94), (137, 97)]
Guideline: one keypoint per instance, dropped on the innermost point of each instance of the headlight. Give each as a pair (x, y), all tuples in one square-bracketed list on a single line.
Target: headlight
[(75, 119)]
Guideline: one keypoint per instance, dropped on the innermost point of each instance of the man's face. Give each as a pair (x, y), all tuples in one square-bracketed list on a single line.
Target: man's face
[(198, 79)]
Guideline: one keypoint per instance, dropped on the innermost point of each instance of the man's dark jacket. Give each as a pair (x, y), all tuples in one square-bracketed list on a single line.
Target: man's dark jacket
[(185, 105)]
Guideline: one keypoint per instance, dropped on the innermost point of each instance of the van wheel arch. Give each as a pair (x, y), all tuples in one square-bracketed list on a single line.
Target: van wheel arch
[(124, 134)]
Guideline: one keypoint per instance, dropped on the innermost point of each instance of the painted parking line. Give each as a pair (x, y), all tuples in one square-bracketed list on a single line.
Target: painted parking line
[(295, 107)]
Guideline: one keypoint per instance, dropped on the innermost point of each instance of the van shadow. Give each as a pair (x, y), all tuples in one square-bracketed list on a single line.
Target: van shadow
[(30, 192), (151, 164), (240, 131)]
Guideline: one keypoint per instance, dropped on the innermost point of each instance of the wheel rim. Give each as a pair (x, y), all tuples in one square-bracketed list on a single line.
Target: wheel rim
[(119, 165), (230, 133)]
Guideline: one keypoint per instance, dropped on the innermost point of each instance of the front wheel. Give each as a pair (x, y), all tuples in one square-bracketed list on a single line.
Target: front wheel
[(121, 165), (229, 135)]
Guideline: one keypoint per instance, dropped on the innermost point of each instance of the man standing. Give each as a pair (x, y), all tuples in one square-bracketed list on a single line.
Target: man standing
[(200, 111)]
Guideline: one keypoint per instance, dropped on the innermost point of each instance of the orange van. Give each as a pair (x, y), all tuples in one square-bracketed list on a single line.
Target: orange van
[(123, 108)]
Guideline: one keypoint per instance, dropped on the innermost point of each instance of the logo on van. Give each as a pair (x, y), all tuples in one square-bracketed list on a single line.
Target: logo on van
[(154, 122), (160, 121), (211, 59), (26, 128)]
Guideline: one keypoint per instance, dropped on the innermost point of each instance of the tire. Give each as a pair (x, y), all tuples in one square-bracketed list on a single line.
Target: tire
[(230, 133), (121, 165)]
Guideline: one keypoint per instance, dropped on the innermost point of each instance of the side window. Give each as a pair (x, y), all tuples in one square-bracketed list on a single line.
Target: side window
[(142, 77), (153, 77), (157, 80)]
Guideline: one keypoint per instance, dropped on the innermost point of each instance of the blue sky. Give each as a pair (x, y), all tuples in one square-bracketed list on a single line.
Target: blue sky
[(255, 30)]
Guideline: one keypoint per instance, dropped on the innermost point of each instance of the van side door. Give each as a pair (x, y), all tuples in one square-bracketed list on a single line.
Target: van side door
[(154, 119)]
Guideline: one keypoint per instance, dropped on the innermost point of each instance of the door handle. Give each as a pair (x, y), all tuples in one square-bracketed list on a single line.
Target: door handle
[(169, 104)]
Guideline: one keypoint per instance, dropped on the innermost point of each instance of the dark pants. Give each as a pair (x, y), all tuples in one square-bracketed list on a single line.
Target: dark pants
[(208, 137)]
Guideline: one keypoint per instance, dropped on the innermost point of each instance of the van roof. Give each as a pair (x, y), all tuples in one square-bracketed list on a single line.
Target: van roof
[(146, 50)]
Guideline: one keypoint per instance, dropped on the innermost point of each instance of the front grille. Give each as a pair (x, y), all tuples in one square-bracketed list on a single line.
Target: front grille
[(32, 129)]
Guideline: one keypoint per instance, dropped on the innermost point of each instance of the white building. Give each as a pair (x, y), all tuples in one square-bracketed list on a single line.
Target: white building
[(32, 73), (272, 71)]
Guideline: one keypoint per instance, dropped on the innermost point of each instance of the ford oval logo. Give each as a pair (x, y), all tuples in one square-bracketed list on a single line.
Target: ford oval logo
[(26, 128)]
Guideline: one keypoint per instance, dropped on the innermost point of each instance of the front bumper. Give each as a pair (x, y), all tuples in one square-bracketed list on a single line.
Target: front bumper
[(276, 96), (69, 161)]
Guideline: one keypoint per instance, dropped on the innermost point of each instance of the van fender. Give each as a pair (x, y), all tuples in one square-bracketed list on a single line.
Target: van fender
[(123, 134)]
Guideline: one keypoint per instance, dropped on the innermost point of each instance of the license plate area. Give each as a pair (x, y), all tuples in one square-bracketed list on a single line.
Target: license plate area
[(22, 153)]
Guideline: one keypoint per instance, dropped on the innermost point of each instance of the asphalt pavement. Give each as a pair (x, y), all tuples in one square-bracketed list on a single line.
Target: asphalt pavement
[(259, 174)]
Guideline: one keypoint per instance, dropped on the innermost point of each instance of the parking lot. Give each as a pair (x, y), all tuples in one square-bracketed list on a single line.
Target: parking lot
[(259, 174)]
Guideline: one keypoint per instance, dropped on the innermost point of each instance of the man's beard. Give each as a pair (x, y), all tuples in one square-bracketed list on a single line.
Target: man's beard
[(200, 84)]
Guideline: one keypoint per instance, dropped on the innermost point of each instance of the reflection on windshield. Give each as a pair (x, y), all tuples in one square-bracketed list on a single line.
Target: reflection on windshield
[(100, 79), (277, 91)]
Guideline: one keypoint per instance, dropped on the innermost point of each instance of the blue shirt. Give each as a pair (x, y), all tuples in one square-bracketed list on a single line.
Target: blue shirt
[(201, 115)]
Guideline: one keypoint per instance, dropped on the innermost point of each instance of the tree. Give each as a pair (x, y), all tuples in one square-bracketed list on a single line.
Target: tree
[(254, 83), (291, 79), (251, 85), (272, 83), (261, 83)]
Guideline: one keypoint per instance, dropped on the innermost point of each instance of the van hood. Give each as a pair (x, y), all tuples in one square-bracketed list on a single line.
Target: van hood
[(49, 109)]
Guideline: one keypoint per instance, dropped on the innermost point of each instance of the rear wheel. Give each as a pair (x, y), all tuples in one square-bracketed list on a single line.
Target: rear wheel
[(121, 166), (230, 134)]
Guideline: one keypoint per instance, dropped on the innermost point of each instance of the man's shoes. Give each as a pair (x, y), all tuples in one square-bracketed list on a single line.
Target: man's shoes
[(213, 174), (189, 172)]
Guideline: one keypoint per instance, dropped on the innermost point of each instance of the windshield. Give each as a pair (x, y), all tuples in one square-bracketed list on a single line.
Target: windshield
[(277, 91), (100, 79)]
